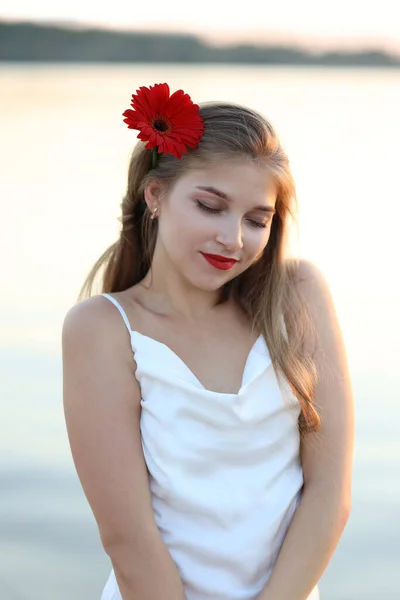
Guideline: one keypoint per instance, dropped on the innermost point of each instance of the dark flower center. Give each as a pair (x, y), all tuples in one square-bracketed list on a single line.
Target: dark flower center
[(160, 125)]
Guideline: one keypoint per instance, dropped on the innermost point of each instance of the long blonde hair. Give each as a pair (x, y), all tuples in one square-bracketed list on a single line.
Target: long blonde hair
[(267, 291)]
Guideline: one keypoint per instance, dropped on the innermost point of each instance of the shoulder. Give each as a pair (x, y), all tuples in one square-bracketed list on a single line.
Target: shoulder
[(92, 322), (314, 289), (305, 272), (88, 315), (97, 353), (309, 281), (315, 299)]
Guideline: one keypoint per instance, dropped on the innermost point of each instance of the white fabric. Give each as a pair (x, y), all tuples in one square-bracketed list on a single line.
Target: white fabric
[(225, 470)]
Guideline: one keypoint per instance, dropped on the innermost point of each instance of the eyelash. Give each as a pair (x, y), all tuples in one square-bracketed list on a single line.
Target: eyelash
[(216, 211)]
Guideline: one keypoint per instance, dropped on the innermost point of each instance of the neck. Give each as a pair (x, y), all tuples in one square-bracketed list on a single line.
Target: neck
[(173, 295)]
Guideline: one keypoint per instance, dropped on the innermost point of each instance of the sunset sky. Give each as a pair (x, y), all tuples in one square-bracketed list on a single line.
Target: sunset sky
[(342, 24)]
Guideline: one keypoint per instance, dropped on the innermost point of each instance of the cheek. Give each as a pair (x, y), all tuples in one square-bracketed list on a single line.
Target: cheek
[(256, 243), (185, 227), (196, 225)]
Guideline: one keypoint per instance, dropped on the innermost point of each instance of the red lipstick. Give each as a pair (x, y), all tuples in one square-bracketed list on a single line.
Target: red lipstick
[(220, 262)]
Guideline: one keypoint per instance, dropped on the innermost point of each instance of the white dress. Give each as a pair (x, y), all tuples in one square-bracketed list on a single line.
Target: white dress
[(225, 470)]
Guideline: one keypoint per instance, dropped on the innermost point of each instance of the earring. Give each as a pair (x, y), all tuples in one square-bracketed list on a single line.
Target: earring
[(153, 214)]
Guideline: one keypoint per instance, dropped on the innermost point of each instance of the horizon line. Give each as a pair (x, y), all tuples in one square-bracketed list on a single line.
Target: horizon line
[(292, 39)]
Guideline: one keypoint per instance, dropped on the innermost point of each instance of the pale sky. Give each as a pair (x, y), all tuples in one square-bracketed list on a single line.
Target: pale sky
[(344, 23)]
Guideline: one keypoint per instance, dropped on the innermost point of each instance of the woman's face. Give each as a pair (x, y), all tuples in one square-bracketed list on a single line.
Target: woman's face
[(224, 210)]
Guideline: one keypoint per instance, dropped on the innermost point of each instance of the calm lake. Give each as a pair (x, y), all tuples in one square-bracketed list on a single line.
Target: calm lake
[(64, 153)]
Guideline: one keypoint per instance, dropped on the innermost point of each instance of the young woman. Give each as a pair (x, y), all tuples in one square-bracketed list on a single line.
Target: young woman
[(206, 390)]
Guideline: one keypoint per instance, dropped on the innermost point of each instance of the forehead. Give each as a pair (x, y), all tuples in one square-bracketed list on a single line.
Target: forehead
[(237, 180)]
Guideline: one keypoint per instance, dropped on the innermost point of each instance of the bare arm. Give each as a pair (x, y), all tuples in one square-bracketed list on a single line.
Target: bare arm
[(327, 458), (102, 411)]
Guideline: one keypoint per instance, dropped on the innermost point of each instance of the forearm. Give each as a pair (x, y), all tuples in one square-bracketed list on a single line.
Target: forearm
[(309, 544), (146, 570)]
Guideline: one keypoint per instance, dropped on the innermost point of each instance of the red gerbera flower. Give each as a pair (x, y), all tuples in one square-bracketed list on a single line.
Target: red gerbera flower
[(170, 123)]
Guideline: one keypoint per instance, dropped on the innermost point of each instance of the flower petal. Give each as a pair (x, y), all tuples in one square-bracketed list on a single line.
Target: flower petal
[(185, 124)]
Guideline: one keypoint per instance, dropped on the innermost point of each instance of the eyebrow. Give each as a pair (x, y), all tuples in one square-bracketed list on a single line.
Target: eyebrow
[(216, 192)]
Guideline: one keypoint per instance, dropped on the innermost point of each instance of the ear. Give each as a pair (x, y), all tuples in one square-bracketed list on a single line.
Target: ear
[(152, 194)]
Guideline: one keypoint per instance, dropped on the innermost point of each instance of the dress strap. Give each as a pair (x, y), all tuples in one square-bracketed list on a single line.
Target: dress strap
[(121, 310)]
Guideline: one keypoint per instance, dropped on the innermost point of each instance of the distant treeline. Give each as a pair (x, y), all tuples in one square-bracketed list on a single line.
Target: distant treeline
[(47, 43)]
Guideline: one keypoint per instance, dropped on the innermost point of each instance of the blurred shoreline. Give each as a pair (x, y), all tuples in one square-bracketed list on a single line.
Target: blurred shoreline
[(35, 42)]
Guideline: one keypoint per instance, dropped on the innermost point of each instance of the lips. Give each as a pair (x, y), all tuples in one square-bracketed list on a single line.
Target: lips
[(220, 262)]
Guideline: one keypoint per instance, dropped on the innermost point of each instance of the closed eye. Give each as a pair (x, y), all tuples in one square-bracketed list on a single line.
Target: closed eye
[(258, 224), (208, 208), (216, 211)]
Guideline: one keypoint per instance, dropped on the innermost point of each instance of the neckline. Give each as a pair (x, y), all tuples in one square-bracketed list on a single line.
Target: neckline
[(194, 377)]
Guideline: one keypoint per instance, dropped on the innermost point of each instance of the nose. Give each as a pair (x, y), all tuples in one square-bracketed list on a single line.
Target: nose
[(230, 235)]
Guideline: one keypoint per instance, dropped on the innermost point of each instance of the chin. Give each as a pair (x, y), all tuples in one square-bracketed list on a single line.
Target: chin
[(210, 283)]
